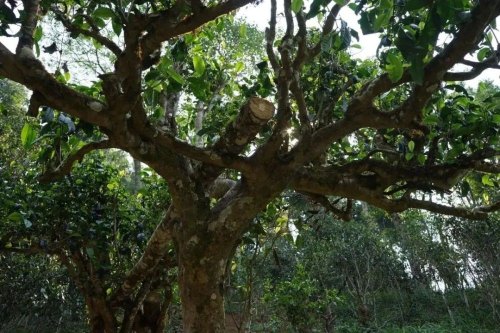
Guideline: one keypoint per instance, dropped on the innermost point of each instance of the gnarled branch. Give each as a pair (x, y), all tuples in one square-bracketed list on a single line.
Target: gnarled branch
[(344, 215), (92, 33), (26, 69), (66, 166), (157, 247), (368, 180), (326, 30), (28, 26), (477, 68), (161, 28), (270, 37), (238, 134)]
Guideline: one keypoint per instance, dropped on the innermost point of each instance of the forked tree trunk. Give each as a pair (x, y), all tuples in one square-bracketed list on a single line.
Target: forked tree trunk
[(100, 319), (148, 316), (151, 318)]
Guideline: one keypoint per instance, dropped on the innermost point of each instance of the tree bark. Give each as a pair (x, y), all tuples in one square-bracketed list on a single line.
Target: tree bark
[(201, 282), (203, 253), (137, 183), (101, 321)]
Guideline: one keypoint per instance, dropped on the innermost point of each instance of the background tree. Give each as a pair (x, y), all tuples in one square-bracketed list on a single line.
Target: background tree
[(335, 129), (324, 280), (89, 226)]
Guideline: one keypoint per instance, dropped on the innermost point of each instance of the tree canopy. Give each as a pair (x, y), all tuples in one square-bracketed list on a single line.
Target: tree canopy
[(232, 119)]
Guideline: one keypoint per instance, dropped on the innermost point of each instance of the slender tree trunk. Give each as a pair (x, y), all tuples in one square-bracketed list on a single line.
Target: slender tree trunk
[(329, 318), (137, 184), (450, 313), (198, 122)]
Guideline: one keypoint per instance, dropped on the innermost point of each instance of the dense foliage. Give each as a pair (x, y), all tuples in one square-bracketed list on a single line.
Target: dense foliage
[(379, 272)]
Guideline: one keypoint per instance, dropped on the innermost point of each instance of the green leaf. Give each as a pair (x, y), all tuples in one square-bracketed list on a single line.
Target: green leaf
[(28, 135), (174, 75), (408, 156), (96, 44), (15, 217), (405, 43), (394, 67), (243, 31), (90, 252), (38, 34), (27, 223), (496, 119), (100, 22), (421, 158), (431, 119), (7, 15), (239, 66), (458, 88), (37, 49), (315, 8), (104, 12), (326, 43), (117, 27), (382, 20), (433, 27), (411, 145), (416, 4), (354, 34), (486, 180), (365, 23), (483, 53), (345, 35), (297, 5), (465, 188), (200, 87), (417, 70), (199, 65)]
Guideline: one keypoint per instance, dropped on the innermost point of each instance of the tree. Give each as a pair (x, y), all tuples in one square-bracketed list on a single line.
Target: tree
[(335, 129), (384, 272), (56, 238)]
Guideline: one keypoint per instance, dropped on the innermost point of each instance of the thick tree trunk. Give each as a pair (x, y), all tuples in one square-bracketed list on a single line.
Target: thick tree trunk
[(201, 282), (151, 318), (202, 257), (101, 320)]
